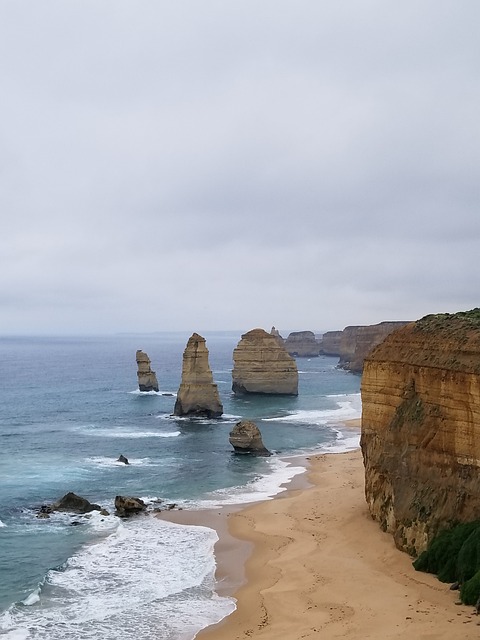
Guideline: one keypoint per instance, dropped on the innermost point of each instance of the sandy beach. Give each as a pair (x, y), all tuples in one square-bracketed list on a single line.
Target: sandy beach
[(312, 563)]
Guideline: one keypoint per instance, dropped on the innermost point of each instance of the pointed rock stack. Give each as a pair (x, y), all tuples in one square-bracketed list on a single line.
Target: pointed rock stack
[(198, 394), (147, 380), (262, 365)]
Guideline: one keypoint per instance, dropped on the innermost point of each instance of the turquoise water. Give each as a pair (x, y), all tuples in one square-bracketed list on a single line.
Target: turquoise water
[(69, 408)]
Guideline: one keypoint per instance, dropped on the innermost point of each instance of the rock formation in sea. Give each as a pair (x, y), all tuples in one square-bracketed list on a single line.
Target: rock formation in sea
[(147, 380), (302, 344), (262, 365), (330, 343), (73, 503), (356, 342), (421, 427), (198, 394), (122, 458), (276, 333), (245, 437), (128, 505)]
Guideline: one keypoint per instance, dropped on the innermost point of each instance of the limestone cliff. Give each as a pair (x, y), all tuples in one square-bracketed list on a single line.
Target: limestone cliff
[(198, 394), (421, 427), (302, 344), (356, 343), (262, 365), (147, 380), (330, 343)]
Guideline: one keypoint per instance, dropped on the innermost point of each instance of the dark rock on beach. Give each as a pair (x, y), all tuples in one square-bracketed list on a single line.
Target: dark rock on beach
[(128, 505)]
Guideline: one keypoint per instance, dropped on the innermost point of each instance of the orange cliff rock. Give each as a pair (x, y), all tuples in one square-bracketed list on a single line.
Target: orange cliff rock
[(421, 428)]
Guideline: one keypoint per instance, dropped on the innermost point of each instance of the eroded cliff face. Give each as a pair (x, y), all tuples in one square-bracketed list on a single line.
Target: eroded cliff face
[(302, 344), (330, 343), (421, 428), (262, 365), (356, 343)]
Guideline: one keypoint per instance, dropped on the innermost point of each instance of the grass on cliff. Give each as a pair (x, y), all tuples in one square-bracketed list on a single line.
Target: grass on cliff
[(454, 555), (461, 321)]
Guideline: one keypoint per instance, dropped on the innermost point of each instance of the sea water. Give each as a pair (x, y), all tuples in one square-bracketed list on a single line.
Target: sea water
[(68, 408)]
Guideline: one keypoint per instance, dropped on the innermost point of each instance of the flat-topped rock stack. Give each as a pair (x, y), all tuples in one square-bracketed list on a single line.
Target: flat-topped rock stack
[(198, 394), (302, 344), (262, 365), (147, 380)]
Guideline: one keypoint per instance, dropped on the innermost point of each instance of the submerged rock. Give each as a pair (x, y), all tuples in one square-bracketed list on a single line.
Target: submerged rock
[(262, 365), (128, 505), (198, 394), (74, 504), (147, 380), (245, 437)]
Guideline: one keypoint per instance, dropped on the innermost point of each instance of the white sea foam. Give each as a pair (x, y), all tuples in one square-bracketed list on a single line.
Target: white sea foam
[(104, 461), (260, 488), (158, 577), (137, 392), (121, 433), (2, 524), (348, 408)]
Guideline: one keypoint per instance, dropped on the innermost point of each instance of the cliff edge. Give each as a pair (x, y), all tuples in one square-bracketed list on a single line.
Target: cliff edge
[(421, 427)]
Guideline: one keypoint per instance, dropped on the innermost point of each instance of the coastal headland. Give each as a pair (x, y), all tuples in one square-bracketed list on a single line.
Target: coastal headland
[(312, 563)]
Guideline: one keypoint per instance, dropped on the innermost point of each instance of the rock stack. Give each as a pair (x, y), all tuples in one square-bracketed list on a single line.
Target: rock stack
[(147, 380), (262, 365), (198, 394), (245, 437), (302, 344)]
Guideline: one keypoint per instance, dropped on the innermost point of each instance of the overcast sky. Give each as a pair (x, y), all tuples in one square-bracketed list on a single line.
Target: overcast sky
[(231, 164)]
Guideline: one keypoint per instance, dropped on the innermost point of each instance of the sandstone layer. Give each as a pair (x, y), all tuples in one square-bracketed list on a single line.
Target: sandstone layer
[(245, 437), (421, 428), (302, 344), (147, 380), (356, 343), (198, 394), (262, 365), (330, 343)]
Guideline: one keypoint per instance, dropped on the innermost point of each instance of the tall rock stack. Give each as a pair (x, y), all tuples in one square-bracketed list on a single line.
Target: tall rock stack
[(147, 380), (198, 394), (421, 427), (262, 365)]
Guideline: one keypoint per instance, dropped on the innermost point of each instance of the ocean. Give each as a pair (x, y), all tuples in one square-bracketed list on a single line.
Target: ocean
[(69, 408)]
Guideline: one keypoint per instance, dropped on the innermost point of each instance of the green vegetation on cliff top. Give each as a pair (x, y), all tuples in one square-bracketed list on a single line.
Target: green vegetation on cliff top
[(454, 555), (455, 322)]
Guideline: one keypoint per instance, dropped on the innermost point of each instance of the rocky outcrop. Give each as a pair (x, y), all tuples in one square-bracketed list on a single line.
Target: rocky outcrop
[(74, 504), (276, 334), (421, 428), (245, 437), (262, 365), (122, 458), (330, 343), (198, 394), (302, 344), (356, 342), (147, 380), (128, 505)]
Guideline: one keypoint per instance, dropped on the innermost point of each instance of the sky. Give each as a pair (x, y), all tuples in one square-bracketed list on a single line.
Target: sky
[(229, 164)]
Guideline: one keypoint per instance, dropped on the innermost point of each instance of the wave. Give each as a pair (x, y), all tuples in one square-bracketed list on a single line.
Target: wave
[(137, 392), (2, 524), (120, 433), (104, 461), (348, 408), (156, 576)]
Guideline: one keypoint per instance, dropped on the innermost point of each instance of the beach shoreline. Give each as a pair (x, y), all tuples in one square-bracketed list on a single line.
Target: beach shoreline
[(311, 560)]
